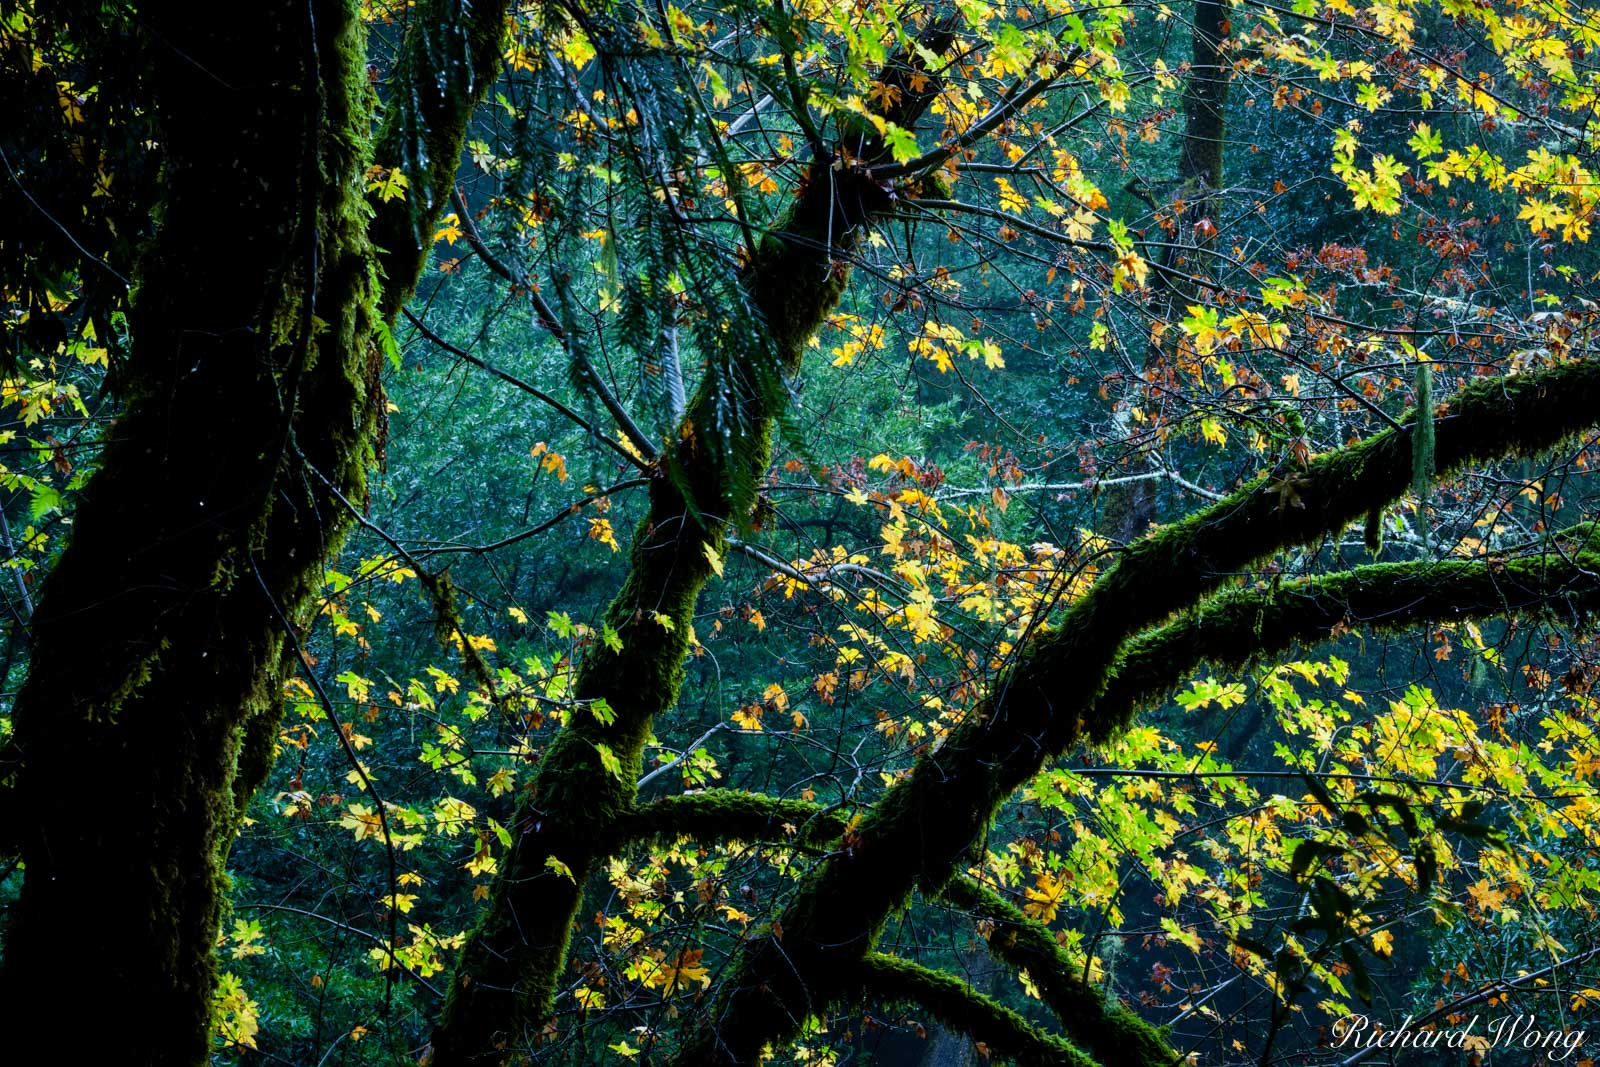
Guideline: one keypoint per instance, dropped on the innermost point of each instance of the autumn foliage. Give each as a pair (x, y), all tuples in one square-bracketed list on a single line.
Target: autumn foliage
[(801, 532)]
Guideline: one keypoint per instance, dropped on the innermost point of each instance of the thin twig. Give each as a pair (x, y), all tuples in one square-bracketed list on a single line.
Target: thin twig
[(552, 323), (1088, 483), (527, 387), (355, 764), (665, 767), (533, 531)]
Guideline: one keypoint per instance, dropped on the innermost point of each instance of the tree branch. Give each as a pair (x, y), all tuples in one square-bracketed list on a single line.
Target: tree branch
[(962, 1008), (1048, 700), (514, 961), (1383, 597), (1020, 97), (368, 934), (731, 815), (652, 775), (447, 60), (1164, 474), (1109, 1032)]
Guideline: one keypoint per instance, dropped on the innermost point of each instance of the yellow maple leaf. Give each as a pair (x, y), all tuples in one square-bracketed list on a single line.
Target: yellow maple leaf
[(600, 530), (1010, 199), (683, 969), (1542, 215), (1486, 896), (1043, 899)]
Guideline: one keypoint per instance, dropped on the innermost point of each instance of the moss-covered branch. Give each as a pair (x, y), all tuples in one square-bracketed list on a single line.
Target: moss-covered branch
[(963, 1009), (1109, 1032), (512, 964), (1175, 567), (449, 56), (731, 815), (1048, 700), (1242, 624)]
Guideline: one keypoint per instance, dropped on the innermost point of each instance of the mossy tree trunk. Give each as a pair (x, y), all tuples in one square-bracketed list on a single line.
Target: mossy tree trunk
[(157, 632), (570, 820), (253, 407), (918, 835)]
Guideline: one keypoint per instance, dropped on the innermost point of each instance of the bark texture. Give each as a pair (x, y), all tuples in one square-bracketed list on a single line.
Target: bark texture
[(147, 713), (253, 411)]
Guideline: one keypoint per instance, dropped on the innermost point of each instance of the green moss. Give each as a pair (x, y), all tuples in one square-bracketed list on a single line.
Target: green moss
[(258, 736), (1382, 597), (963, 1009), (730, 815), (1112, 1034), (1372, 532)]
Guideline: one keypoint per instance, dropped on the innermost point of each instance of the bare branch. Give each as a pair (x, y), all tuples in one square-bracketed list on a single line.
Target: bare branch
[(532, 390)]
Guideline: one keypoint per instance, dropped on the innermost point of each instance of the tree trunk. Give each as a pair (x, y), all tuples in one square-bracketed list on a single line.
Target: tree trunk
[(510, 968), (148, 716), (254, 407), (1205, 100), (505, 984)]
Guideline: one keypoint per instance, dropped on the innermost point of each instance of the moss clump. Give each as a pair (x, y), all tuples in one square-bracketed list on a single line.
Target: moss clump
[(1372, 532)]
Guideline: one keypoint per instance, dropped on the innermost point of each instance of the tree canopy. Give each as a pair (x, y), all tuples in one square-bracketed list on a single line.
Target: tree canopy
[(800, 531)]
